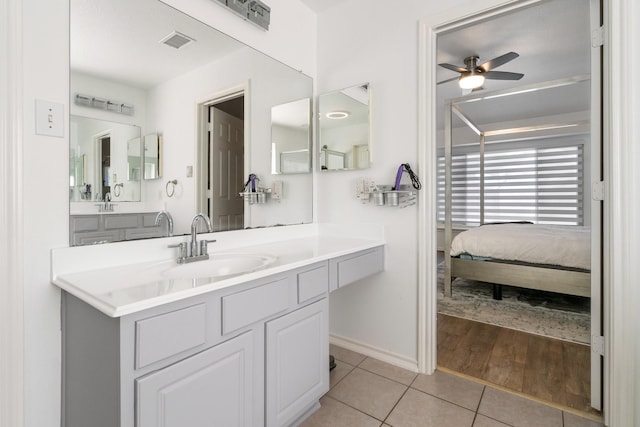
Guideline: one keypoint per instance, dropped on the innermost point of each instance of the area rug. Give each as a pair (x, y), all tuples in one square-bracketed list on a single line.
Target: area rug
[(550, 314)]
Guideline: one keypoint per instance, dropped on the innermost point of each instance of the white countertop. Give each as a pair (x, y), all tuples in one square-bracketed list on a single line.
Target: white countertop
[(126, 277)]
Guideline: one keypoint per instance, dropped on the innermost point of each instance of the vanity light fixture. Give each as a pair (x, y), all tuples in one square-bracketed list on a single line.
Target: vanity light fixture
[(337, 115), (103, 104), (177, 40), (251, 10)]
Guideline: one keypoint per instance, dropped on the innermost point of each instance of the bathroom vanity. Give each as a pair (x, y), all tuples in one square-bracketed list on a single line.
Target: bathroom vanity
[(148, 344)]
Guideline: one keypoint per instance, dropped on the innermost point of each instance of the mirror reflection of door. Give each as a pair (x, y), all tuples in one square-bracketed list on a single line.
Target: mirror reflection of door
[(226, 164), (104, 165)]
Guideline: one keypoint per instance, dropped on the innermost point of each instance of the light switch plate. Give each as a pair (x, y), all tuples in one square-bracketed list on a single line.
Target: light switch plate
[(49, 118)]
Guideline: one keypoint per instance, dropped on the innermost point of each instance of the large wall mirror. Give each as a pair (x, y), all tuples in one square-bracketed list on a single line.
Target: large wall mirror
[(147, 66), (343, 118)]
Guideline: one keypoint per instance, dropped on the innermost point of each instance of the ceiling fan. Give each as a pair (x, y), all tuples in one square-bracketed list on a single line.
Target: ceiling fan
[(473, 75)]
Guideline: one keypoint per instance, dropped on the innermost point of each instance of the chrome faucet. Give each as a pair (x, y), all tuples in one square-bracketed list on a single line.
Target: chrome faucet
[(106, 206), (195, 250), (166, 215)]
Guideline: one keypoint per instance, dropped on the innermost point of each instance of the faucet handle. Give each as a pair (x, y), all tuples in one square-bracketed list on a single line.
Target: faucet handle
[(203, 246), (181, 250)]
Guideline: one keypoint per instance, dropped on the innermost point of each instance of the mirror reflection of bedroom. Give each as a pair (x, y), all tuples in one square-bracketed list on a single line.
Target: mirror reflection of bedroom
[(519, 215)]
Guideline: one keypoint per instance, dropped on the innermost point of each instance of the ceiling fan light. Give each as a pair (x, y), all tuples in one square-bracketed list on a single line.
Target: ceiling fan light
[(471, 81)]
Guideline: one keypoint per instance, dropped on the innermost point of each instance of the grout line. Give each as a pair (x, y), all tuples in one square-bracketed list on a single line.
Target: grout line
[(384, 376), (395, 405), (443, 399), (484, 388), (354, 408)]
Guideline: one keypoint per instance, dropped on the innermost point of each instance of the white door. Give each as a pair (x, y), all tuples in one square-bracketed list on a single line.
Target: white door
[(226, 170), (597, 330)]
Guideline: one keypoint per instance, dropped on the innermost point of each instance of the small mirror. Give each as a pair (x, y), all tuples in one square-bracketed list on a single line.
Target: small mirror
[(344, 129), (104, 157), (290, 138), (152, 150)]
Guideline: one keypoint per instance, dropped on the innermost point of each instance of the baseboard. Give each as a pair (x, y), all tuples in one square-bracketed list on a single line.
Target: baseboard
[(376, 353)]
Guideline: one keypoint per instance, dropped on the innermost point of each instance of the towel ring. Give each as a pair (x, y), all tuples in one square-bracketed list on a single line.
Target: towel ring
[(116, 189), (170, 188)]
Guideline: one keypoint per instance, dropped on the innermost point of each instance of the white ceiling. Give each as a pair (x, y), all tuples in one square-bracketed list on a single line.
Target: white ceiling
[(119, 40), (321, 5)]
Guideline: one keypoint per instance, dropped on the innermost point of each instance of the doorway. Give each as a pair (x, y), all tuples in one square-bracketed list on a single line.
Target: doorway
[(591, 208), (222, 161), (103, 166)]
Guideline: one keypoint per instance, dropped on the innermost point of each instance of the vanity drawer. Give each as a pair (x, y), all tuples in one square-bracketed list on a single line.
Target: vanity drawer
[(313, 283), (120, 221), (244, 308), (351, 268), (93, 237), (84, 223), (165, 335)]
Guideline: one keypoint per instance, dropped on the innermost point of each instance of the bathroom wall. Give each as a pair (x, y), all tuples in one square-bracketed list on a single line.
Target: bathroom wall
[(45, 62), (377, 42)]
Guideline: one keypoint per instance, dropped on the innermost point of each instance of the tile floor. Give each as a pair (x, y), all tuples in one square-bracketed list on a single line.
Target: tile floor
[(367, 392)]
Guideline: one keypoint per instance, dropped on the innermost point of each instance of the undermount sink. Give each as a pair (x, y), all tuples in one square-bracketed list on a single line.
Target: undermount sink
[(220, 265)]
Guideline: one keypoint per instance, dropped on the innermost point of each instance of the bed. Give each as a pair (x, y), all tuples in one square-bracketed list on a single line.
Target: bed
[(542, 257)]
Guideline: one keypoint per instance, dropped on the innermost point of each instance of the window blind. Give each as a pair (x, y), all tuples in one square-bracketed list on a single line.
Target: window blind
[(541, 185)]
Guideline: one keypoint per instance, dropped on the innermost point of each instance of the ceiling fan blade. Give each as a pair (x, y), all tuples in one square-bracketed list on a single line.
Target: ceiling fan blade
[(448, 80), (502, 75), (455, 68), (500, 60)]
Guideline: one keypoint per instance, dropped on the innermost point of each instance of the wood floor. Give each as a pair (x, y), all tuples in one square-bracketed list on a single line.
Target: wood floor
[(548, 369)]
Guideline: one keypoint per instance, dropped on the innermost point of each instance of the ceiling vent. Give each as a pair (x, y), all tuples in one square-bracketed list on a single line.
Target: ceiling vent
[(177, 40)]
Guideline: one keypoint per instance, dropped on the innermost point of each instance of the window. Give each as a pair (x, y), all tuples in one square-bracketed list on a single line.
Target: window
[(522, 182)]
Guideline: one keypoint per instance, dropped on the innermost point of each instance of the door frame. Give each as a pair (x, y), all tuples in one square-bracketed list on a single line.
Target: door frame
[(429, 28), (202, 115)]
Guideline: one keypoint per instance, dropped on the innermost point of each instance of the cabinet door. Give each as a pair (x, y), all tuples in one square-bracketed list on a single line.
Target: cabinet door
[(297, 362), (211, 388)]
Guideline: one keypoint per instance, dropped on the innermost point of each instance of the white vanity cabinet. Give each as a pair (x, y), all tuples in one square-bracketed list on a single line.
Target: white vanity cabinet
[(198, 361), (255, 353)]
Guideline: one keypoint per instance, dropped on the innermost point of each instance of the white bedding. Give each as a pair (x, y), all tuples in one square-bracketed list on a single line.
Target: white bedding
[(539, 244)]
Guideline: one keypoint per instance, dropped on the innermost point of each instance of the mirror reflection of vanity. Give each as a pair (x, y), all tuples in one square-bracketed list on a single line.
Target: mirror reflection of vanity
[(344, 129), (119, 55)]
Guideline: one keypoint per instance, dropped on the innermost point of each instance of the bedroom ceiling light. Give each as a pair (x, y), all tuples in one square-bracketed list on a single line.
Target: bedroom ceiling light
[(337, 115), (471, 80)]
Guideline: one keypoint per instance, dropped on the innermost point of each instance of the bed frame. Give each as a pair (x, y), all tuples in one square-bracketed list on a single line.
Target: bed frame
[(544, 278)]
